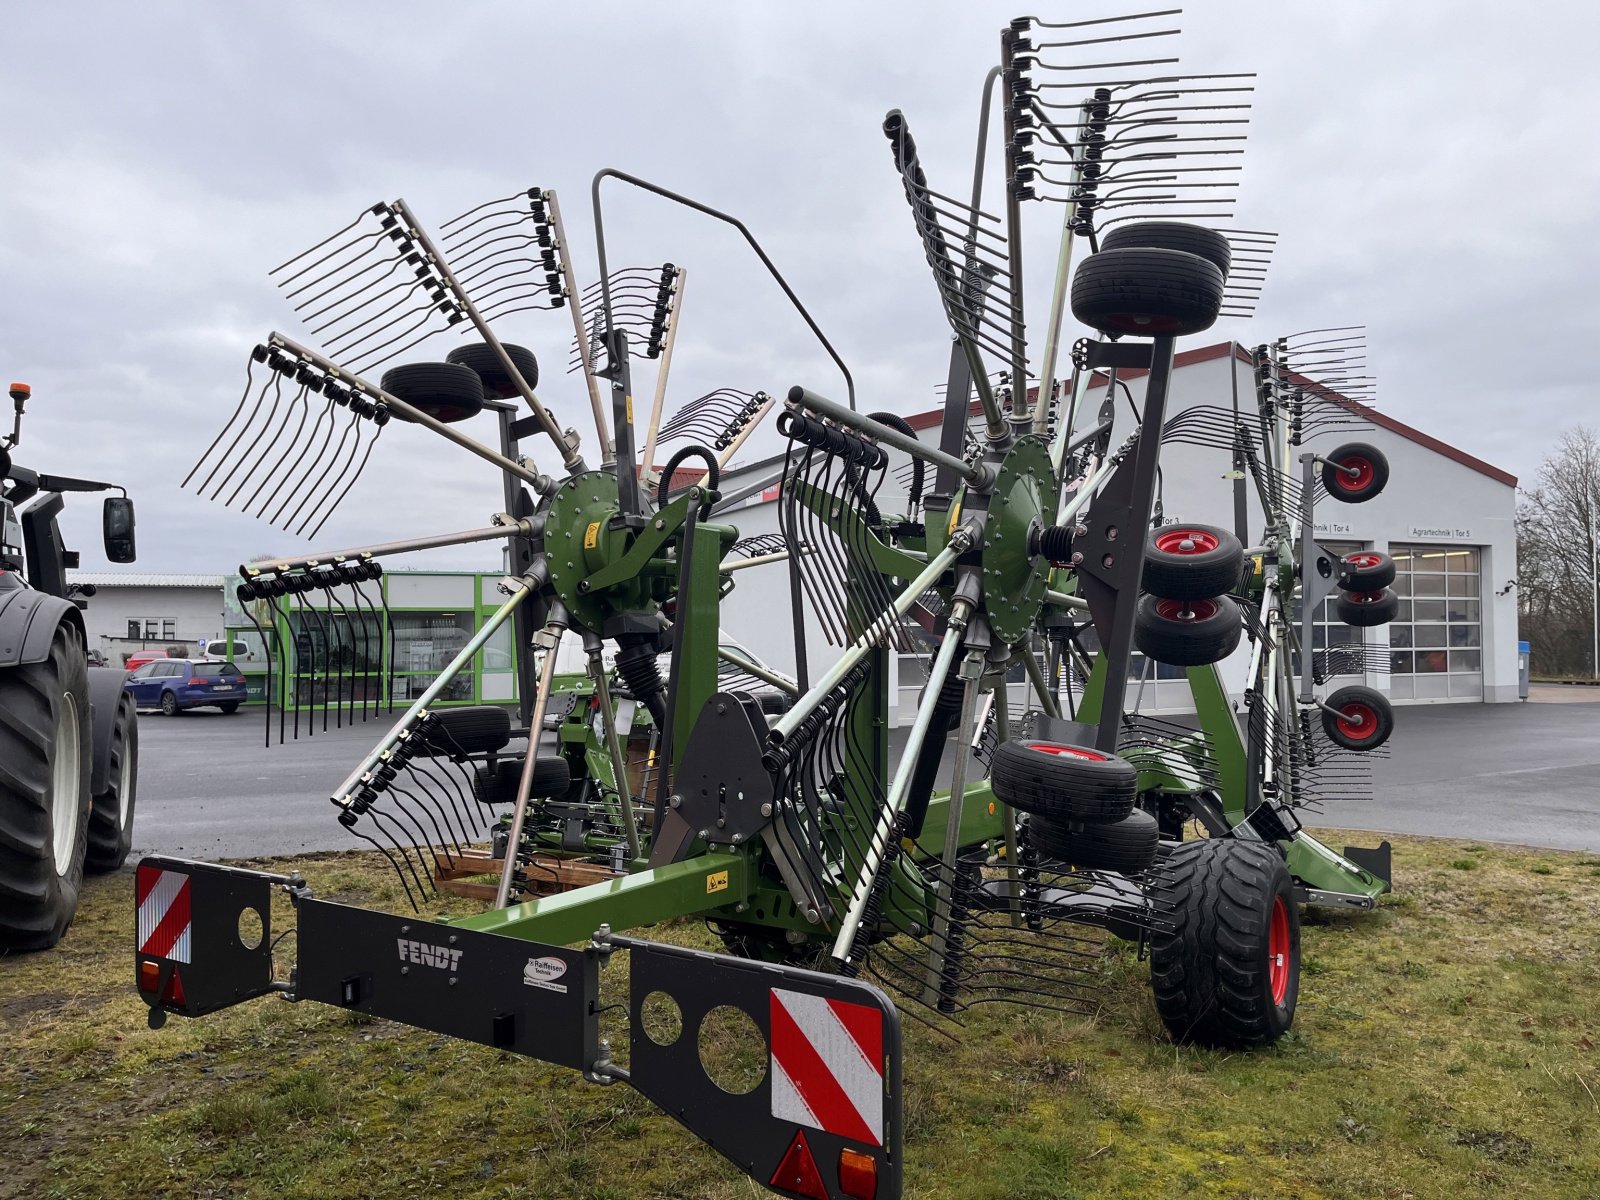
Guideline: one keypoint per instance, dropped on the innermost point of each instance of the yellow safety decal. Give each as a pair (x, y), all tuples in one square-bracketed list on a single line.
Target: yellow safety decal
[(955, 515), (630, 410), (717, 881), (591, 535)]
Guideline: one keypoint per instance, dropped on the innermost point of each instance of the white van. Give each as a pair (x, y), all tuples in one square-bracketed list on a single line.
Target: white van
[(216, 650)]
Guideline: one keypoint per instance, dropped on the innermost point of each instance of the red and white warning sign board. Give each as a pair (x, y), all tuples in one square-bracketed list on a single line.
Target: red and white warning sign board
[(165, 921), (827, 1065)]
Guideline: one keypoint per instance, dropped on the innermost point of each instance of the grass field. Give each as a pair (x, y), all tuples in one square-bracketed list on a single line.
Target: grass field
[(1447, 1045)]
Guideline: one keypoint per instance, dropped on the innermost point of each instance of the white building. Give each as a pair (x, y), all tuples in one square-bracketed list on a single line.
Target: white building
[(1447, 518), (135, 611)]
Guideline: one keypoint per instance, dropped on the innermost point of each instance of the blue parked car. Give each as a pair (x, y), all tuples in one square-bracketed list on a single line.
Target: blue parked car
[(174, 684)]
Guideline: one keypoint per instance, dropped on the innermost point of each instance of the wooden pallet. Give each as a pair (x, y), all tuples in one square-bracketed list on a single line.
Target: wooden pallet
[(548, 874)]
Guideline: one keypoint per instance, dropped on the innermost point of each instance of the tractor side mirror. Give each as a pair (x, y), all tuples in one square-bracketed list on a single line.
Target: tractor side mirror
[(117, 523)]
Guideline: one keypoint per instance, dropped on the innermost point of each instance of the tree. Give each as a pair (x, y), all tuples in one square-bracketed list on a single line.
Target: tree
[(1556, 527)]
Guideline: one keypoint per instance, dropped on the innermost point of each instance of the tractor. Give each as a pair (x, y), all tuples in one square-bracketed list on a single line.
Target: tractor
[(69, 737)]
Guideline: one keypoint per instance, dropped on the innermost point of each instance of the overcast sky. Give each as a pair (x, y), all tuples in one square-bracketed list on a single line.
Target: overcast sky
[(1430, 168)]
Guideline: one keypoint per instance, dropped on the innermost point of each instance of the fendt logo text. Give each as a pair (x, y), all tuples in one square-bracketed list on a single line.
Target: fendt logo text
[(429, 956)]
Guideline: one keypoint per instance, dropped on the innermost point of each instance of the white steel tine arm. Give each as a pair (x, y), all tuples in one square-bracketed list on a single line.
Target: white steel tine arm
[(540, 483), (1058, 302), (750, 427), (883, 832), (569, 456), (938, 948), (619, 762), (516, 528), (556, 627), (647, 460), (608, 447)]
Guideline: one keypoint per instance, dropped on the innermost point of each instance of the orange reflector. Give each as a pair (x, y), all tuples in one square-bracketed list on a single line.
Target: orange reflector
[(150, 977), (798, 1171), (858, 1174)]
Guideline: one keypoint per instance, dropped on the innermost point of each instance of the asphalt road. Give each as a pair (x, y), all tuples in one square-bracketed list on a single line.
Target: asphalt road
[(1522, 773)]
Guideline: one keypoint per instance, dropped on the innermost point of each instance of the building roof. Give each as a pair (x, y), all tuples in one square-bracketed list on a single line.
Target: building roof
[(141, 579), (932, 418)]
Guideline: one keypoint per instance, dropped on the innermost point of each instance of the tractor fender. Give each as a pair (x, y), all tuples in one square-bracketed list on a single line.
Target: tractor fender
[(28, 621), (105, 693)]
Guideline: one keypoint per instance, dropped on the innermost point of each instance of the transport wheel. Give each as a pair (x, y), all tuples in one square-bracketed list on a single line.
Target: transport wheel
[(1366, 571), (1368, 718), (1225, 952), (111, 812), (481, 729), (1191, 562), (498, 784), (1172, 235), (1355, 472), (169, 705), (1187, 633), (1069, 783), (1127, 846), (496, 383), (44, 793), (229, 708), (1366, 609), (774, 704), (1147, 293), (445, 391)]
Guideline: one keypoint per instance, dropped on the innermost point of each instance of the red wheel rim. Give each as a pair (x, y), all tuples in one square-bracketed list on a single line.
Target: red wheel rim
[(1360, 722), (1068, 751), (1186, 541), (1278, 950), (1364, 597), (1186, 612), (1363, 561), (1363, 473)]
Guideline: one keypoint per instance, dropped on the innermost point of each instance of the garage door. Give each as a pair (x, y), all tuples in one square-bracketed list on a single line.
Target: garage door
[(1436, 641)]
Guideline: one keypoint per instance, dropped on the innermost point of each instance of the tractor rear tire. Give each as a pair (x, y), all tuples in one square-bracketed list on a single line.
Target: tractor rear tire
[(1225, 953), (481, 729), (1147, 293), (445, 391), (1127, 846), (1187, 633), (1172, 235), (497, 383), (44, 793), (111, 814), (1192, 562), (1063, 783)]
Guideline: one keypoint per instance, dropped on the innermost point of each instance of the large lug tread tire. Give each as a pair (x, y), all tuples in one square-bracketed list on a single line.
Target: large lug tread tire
[(1188, 561), (1371, 718), (1162, 632), (445, 391), (1172, 235), (1366, 609), (552, 778), (491, 371), (1366, 571), (1212, 952), (1368, 461), (1067, 783), (480, 729), (1127, 846), (1147, 293), (112, 811), (38, 902)]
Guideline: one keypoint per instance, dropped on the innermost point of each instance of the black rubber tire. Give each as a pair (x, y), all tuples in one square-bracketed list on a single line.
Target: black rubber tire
[(481, 729), (1147, 293), (552, 777), (1372, 708), (169, 705), (1066, 783), (111, 812), (1369, 459), (492, 372), (1172, 235), (37, 901), (229, 708), (445, 391), (1210, 960), (1127, 846), (1161, 633), (1366, 571), (1213, 566), (1366, 609)]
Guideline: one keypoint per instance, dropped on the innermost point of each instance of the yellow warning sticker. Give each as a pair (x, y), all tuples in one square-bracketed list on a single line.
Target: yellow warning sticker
[(717, 881), (591, 535), (630, 410), (955, 515)]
